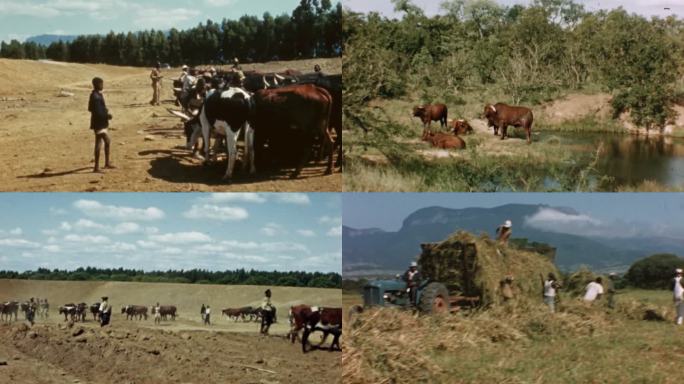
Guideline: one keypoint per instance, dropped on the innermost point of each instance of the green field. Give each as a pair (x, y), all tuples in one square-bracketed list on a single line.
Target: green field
[(522, 344)]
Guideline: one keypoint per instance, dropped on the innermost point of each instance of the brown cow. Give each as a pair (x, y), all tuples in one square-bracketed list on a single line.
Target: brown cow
[(132, 311), (327, 320), (431, 112), (289, 119), (296, 317), (444, 140), (167, 310), (501, 115), (461, 127)]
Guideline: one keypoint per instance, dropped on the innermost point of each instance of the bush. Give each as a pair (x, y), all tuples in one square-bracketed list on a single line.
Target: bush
[(654, 272)]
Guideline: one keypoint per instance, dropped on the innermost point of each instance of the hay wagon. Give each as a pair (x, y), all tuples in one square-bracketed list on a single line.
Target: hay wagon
[(466, 271)]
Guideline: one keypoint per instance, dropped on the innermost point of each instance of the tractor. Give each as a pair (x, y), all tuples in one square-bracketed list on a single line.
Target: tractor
[(431, 297)]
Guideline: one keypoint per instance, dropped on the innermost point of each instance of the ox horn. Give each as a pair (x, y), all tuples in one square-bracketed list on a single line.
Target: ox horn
[(493, 108), (267, 85)]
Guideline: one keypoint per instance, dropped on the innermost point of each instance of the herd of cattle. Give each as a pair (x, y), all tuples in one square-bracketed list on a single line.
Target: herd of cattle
[(499, 116), (302, 318), (10, 309), (286, 118)]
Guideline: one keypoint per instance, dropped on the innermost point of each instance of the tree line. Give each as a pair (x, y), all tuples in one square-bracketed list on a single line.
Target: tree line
[(312, 30), (527, 54), (192, 276)]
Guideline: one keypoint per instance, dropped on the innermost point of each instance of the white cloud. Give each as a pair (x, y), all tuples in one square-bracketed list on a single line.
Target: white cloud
[(82, 224), (233, 197), (27, 9), (181, 237), (127, 227), (248, 258), (219, 3), (553, 220), (330, 220), (65, 226), (272, 229), (92, 239), (94, 208), (275, 247), (171, 251), (294, 198), (49, 232), (20, 243), (164, 18), (215, 212), (147, 244), (335, 231), (16, 232), (306, 232), (57, 211), (52, 248)]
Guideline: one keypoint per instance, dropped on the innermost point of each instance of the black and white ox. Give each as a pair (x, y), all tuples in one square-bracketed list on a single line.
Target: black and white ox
[(227, 113)]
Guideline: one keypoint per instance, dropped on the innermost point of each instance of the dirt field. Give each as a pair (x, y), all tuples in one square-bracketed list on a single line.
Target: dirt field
[(47, 145), (183, 350)]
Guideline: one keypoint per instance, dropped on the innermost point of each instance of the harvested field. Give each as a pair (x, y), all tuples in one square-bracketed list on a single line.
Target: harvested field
[(180, 351), (48, 145)]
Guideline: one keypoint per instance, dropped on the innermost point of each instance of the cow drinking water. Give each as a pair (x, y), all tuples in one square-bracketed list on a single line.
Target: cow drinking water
[(501, 115)]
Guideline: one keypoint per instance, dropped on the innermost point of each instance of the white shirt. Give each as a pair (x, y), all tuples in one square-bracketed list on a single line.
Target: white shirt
[(188, 82), (593, 290), (104, 307), (549, 290), (207, 311), (678, 290)]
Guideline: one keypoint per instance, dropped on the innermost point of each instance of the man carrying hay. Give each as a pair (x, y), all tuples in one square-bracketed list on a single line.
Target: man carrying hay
[(593, 291), (412, 278), (503, 232), (550, 285), (678, 292)]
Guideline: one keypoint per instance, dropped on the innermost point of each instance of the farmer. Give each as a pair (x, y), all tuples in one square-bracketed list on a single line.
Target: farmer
[(156, 83), (507, 288), (412, 279), (678, 292), (207, 316), (157, 314), (267, 312), (203, 311), (31, 311), (593, 291), (503, 232), (610, 288), (105, 311), (550, 285), (99, 121)]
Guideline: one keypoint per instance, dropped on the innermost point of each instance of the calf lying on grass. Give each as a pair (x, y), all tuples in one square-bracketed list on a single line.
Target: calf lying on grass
[(444, 140)]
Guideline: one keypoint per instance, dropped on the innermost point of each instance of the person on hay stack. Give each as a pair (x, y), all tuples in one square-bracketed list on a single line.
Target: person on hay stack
[(412, 278), (678, 292), (594, 290), (507, 288), (504, 231)]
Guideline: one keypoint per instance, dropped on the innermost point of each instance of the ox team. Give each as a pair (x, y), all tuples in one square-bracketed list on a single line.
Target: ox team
[(302, 318), (285, 118)]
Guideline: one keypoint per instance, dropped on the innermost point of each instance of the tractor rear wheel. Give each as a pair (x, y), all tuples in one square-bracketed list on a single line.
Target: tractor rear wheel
[(434, 299)]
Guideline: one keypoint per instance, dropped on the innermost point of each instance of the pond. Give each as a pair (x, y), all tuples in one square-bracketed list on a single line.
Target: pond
[(631, 160)]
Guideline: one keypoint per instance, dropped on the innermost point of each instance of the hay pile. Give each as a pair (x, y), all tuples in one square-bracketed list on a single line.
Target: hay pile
[(576, 282), (474, 266), (393, 346)]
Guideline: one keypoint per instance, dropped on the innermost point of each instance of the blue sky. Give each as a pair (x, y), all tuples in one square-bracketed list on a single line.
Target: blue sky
[(159, 231), (432, 7), (599, 213), (21, 19)]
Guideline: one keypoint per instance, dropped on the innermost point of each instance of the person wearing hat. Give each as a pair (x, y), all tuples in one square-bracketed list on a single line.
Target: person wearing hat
[(189, 81), (267, 312), (550, 286), (678, 292), (156, 77), (105, 311), (503, 232), (412, 278)]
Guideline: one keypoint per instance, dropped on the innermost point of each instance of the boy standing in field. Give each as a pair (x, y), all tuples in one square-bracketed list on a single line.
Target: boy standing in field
[(157, 314), (156, 78), (99, 122), (678, 292)]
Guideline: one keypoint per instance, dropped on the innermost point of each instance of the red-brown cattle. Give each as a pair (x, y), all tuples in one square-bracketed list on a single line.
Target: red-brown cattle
[(444, 140), (501, 115), (461, 127), (431, 112)]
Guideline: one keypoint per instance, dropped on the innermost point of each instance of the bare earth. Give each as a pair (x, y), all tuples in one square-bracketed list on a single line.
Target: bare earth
[(47, 145), (180, 351)]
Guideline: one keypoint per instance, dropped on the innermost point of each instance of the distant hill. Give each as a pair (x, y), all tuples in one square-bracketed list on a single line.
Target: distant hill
[(394, 250), (49, 39)]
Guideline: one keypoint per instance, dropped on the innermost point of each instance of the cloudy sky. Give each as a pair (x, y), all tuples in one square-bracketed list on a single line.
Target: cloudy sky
[(432, 7), (160, 231), (21, 19), (604, 214)]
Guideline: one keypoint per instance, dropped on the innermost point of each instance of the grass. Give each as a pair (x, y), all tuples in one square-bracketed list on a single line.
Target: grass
[(518, 344)]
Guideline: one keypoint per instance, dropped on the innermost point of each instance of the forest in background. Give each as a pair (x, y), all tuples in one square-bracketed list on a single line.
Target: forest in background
[(191, 276), (527, 54), (312, 30)]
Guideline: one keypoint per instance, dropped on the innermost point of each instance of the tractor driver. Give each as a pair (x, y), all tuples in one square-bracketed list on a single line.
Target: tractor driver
[(412, 279)]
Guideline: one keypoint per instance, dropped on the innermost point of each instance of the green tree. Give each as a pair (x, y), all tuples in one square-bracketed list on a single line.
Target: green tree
[(654, 272)]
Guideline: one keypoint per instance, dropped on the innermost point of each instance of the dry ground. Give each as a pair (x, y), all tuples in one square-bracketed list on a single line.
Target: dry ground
[(180, 351), (47, 145)]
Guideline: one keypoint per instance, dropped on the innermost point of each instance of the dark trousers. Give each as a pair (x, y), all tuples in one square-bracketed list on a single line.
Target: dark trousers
[(104, 318)]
